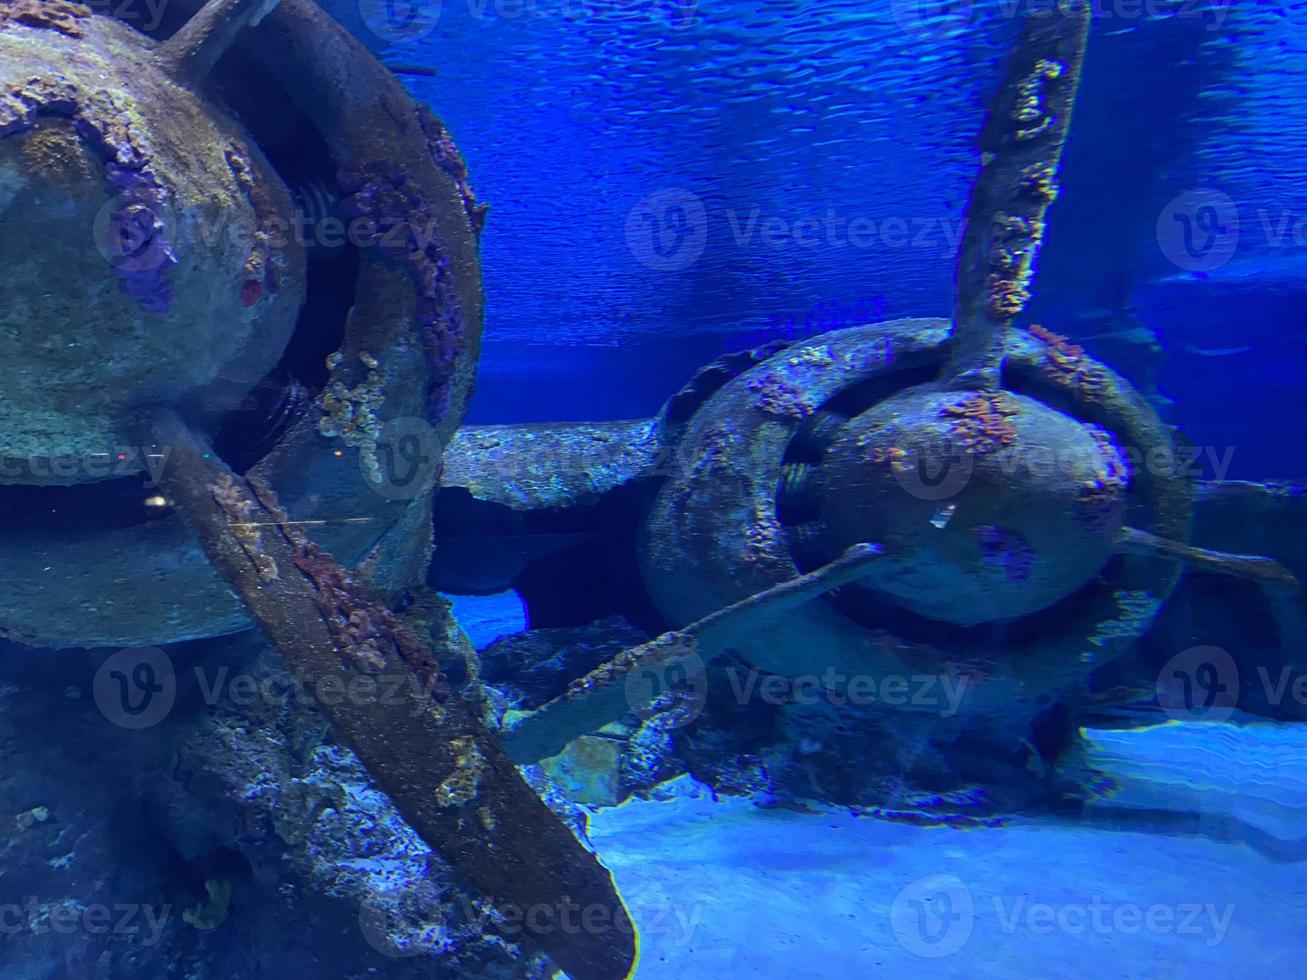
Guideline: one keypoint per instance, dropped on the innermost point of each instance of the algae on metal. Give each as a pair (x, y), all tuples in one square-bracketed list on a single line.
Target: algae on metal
[(779, 461), (140, 124)]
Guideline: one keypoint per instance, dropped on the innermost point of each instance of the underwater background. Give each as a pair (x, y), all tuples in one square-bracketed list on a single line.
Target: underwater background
[(1103, 769), (574, 114), (586, 123)]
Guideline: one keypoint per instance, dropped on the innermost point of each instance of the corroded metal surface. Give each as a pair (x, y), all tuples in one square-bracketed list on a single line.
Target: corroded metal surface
[(535, 467), (715, 538), (1255, 518), (776, 463), (606, 695), (411, 339), (133, 290), (409, 348), (424, 745), (397, 166), (1021, 146)]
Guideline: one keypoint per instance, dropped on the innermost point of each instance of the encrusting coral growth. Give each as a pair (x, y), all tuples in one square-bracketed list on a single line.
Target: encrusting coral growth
[(425, 747), (1030, 110), (401, 223), (261, 267), (781, 397), (136, 226), (1069, 367), (1021, 146), (450, 160), (464, 783), (241, 512), (352, 413), (56, 15), (364, 633), (1016, 240), (983, 422), (1102, 498)]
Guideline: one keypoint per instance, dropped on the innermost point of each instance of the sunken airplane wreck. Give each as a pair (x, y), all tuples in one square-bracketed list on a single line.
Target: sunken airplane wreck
[(162, 345), (780, 495), (873, 501)]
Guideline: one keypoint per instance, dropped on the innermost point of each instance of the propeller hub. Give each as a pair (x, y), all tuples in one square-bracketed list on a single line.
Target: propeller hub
[(145, 248), (990, 505)]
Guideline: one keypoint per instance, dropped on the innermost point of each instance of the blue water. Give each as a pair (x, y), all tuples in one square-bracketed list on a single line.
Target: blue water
[(671, 181), (572, 114), (812, 119), (831, 112)]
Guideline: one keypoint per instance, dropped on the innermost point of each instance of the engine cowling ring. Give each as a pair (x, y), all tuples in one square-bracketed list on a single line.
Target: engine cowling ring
[(148, 583), (717, 532)]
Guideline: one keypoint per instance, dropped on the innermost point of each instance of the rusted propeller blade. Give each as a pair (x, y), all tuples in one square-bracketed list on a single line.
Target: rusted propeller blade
[(1021, 147), (424, 746), (603, 695), (1257, 567)]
